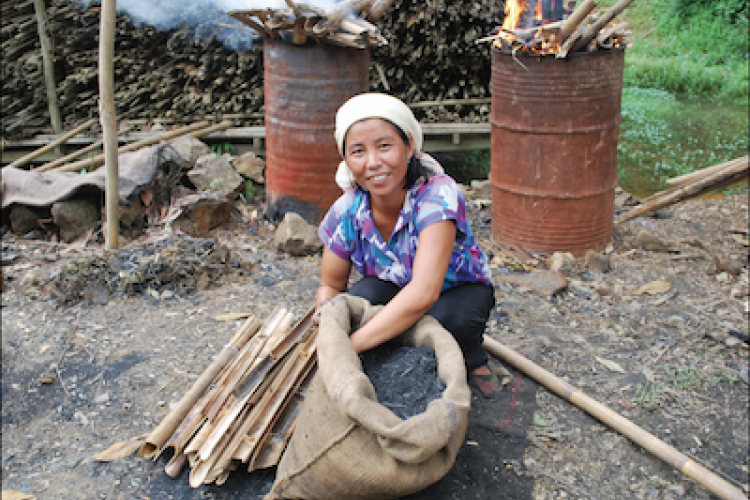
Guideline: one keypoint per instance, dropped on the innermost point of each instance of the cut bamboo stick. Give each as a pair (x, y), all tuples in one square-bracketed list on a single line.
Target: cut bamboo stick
[(576, 18), (69, 157), (52, 145), (654, 445), (159, 436), (98, 160)]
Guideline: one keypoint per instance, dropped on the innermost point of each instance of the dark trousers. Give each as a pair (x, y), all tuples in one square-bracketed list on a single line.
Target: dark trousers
[(462, 310)]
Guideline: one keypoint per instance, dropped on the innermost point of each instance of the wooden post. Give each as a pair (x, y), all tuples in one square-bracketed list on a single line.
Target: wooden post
[(107, 117), (49, 70)]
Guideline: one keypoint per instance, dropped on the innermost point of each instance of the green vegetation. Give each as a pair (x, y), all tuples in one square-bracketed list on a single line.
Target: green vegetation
[(222, 148), (695, 48)]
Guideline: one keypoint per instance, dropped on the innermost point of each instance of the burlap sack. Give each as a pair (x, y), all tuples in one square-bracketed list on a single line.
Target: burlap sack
[(348, 446)]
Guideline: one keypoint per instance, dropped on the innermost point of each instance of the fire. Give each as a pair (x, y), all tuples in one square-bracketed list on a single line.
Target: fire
[(513, 11)]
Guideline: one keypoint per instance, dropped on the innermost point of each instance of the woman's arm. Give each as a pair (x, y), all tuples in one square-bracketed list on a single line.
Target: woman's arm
[(334, 274), (431, 262)]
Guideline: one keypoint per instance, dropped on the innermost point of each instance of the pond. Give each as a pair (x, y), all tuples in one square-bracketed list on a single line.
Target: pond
[(662, 136)]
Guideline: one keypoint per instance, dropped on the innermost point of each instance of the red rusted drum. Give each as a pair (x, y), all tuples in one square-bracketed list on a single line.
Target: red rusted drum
[(553, 170), (304, 85)]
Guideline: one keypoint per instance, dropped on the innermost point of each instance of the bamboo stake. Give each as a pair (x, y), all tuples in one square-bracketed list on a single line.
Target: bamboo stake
[(210, 130), (684, 179), (155, 441), (660, 449), (52, 145), (98, 161), (719, 178), (590, 32), (108, 120), (575, 19), (49, 69)]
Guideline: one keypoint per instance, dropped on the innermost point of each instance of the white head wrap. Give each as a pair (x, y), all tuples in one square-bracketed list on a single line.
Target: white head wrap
[(387, 107)]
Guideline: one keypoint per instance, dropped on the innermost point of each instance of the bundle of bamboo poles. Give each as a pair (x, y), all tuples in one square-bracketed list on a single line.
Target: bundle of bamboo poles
[(243, 408), (691, 185), (586, 29), (347, 23)]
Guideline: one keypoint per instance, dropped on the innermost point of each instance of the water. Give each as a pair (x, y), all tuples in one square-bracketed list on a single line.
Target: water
[(662, 136)]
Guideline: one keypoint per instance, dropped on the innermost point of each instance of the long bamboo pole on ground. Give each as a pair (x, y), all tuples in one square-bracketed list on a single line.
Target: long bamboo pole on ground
[(692, 176), (69, 157), (108, 119), (49, 68), (52, 145), (713, 483)]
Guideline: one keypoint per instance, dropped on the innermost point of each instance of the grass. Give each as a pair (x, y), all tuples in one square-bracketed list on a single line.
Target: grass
[(692, 48)]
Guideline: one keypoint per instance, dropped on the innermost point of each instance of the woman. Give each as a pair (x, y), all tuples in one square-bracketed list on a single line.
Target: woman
[(402, 223)]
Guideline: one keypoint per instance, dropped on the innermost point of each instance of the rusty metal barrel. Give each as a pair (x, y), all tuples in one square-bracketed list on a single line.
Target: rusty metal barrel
[(304, 85), (554, 130)]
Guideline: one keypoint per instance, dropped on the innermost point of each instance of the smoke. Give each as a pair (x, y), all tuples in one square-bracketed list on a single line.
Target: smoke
[(203, 19)]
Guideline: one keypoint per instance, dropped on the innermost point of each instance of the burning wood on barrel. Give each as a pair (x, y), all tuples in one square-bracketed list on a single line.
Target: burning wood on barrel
[(538, 27), (348, 23)]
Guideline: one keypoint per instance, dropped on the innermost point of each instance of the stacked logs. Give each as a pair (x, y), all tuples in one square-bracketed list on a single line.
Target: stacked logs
[(173, 78)]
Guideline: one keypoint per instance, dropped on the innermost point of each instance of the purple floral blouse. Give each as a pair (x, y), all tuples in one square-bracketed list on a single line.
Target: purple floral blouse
[(348, 231)]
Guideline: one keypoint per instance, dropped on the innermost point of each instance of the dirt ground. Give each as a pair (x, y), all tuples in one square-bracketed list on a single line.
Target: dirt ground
[(96, 345)]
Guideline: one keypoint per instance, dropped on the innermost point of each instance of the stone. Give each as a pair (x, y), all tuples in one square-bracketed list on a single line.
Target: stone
[(251, 167), (728, 265), (649, 241), (75, 216), (214, 173), (296, 236), (24, 219), (597, 262), (544, 282), (562, 262), (204, 211), (190, 148)]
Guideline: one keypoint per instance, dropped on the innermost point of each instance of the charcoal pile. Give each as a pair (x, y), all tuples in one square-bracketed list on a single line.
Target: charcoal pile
[(183, 74)]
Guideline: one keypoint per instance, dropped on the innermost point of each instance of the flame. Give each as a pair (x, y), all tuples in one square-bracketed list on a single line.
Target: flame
[(513, 12), (538, 15)]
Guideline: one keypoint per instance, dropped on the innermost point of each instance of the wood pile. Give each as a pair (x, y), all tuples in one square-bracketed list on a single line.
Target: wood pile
[(173, 79), (584, 29), (241, 411)]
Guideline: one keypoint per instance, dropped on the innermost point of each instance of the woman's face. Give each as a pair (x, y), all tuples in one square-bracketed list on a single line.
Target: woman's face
[(377, 156)]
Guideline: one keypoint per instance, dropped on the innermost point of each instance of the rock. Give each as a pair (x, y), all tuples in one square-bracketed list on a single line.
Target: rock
[(624, 199), (213, 173), (75, 216), (190, 148), (296, 236), (204, 211), (562, 262), (727, 265), (604, 289), (544, 282), (251, 167), (649, 241), (24, 219), (597, 262)]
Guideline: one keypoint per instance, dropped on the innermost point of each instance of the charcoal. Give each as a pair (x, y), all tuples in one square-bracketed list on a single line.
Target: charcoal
[(404, 377)]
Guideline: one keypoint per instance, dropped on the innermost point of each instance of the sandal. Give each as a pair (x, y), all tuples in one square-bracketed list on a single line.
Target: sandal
[(488, 386)]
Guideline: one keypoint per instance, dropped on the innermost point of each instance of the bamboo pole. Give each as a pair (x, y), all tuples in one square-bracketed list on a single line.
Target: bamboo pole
[(660, 449), (98, 161), (155, 441), (576, 18), (49, 69), (732, 173), (52, 145), (69, 157), (684, 179), (108, 119)]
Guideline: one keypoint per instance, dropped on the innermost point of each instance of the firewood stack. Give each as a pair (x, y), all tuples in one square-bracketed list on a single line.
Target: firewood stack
[(242, 410), (343, 24), (171, 78), (585, 29)]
